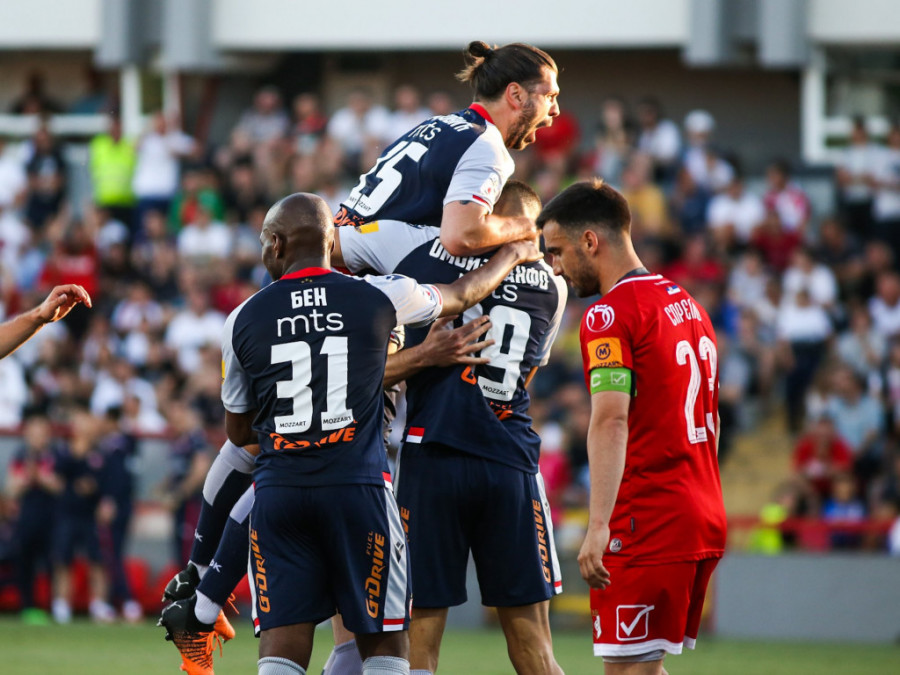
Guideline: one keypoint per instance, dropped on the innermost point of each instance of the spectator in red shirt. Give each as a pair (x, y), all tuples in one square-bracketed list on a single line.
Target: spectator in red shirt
[(786, 199), (74, 261), (820, 455), (695, 266), (555, 145)]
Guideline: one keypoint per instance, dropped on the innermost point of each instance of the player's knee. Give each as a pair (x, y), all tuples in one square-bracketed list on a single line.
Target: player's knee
[(648, 663), (531, 653)]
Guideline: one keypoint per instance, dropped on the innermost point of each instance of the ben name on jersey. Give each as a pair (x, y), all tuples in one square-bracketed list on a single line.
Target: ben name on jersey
[(520, 274), (314, 321)]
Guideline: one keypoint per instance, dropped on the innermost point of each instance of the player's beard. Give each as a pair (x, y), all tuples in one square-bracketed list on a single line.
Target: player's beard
[(525, 125), (582, 278)]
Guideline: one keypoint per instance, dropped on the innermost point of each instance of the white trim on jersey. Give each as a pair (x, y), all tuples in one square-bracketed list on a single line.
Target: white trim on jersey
[(652, 277), (482, 171), (237, 391), (415, 304), (397, 577), (637, 648), (551, 543), (382, 245), (549, 337), (690, 643)]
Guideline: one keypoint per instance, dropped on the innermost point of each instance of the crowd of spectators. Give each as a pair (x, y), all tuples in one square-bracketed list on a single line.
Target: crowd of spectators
[(806, 301)]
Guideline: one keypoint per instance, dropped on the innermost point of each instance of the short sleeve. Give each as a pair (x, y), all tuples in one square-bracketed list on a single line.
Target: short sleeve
[(481, 172), (381, 245), (606, 340), (416, 304), (237, 393)]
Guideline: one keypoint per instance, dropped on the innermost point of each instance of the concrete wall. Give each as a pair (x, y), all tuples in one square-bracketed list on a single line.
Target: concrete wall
[(808, 597), (408, 24), (49, 24)]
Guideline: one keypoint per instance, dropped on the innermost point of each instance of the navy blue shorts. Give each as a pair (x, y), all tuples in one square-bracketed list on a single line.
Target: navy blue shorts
[(315, 551), (452, 502), (74, 534)]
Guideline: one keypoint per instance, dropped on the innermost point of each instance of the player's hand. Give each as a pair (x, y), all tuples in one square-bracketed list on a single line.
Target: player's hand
[(445, 346), (590, 558), (61, 301), (525, 250)]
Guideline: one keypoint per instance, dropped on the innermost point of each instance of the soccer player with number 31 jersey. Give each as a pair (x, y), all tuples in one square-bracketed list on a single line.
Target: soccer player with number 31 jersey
[(657, 522)]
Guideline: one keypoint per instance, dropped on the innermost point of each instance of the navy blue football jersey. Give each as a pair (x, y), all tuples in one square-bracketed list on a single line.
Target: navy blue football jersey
[(307, 353), (481, 410), (448, 158)]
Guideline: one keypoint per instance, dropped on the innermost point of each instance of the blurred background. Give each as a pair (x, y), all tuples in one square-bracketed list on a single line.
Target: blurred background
[(757, 141)]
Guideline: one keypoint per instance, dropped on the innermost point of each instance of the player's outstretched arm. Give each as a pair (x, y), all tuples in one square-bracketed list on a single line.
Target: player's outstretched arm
[(55, 306), (468, 229), (606, 442), (476, 285), (444, 346)]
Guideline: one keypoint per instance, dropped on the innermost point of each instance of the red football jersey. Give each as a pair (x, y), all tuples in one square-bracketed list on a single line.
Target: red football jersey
[(669, 507)]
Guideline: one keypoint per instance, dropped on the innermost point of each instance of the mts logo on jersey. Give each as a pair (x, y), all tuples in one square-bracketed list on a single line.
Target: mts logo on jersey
[(633, 622), (605, 353)]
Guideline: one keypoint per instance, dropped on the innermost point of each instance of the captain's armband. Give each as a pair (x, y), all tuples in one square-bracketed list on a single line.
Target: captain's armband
[(611, 379)]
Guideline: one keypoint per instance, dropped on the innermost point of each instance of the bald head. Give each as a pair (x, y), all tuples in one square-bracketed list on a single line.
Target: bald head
[(298, 232)]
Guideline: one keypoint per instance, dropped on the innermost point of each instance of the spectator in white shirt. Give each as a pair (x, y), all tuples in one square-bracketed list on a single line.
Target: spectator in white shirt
[(137, 309), (117, 383), (408, 113), (659, 138), (886, 179), (861, 347), (748, 280), (734, 214), (357, 127), (805, 274), (884, 308), (204, 241), (159, 150), (13, 178), (706, 167), (14, 239), (194, 327), (803, 331), (854, 178)]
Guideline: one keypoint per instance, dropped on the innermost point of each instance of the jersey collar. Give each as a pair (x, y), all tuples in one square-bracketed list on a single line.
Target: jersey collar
[(306, 272), (477, 107)]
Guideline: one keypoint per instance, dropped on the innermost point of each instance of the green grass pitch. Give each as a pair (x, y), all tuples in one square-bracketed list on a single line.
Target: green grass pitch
[(86, 649)]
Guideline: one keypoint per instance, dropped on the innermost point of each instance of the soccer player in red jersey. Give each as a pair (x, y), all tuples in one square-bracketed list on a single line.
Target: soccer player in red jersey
[(657, 521)]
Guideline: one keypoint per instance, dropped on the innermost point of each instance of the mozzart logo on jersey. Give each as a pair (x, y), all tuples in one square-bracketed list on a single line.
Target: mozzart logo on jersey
[(604, 353), (599, 318)]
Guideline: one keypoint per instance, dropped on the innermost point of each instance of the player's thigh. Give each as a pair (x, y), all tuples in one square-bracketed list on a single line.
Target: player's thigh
[(367, 558), (289, 572), (513, 547), (434, 487), (644, 610), (704, 571)]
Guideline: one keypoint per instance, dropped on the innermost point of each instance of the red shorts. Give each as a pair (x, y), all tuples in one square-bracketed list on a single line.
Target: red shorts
[(649, 608)]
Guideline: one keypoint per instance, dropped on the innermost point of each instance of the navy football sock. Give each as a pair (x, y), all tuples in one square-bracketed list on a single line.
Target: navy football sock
[(228, 478), (344, 660), (229, 564)]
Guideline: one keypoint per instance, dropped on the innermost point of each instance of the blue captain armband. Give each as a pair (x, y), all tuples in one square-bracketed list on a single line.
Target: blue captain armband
[(610, 379)]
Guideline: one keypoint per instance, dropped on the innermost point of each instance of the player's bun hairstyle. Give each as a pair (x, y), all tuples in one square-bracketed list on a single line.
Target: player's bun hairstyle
[(517, 199), (490, 69), (588, 205)]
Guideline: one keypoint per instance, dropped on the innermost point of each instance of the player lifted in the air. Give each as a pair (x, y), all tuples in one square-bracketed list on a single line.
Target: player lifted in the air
[(467, 477)]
